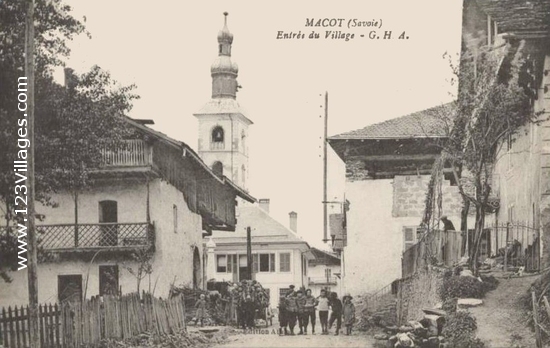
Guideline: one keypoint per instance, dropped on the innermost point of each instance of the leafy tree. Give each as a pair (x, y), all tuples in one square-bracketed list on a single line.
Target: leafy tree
[(493, 103), (73, 124)]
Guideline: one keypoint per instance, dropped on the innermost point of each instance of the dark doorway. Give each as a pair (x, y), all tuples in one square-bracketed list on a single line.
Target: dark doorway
[(243, 269), (108, 217), (108, 280), (69, 288), (196, 268), (234, 268)]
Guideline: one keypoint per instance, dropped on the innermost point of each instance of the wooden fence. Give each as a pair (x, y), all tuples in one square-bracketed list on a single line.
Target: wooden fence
[(88, 323), (434, 247), (14, 326)]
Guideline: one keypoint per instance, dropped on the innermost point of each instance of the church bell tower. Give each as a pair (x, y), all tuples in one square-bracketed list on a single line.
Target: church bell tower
[(223, 124)]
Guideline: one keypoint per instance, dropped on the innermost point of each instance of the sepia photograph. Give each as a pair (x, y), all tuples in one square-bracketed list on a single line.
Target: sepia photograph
[(275, 174)]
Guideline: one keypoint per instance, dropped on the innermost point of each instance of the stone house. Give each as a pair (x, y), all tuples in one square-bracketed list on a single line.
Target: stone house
[(280, 257), (388, 167), (154, 195), (520, 28)]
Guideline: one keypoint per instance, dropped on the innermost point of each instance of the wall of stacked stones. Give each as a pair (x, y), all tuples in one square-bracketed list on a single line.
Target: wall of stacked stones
[(417, 292)]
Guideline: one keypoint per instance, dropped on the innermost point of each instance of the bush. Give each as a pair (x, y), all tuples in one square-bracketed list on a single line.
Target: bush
[(461, 287), (459, 330), (449, 305), (489, 283)]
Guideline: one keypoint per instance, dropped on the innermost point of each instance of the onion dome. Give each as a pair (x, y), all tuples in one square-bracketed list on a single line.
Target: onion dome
[(223, 70), (224, 35)]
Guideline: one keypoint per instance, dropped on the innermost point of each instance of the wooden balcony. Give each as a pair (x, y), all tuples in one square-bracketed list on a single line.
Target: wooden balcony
[(92, 237), (131, 153), (322, 281)]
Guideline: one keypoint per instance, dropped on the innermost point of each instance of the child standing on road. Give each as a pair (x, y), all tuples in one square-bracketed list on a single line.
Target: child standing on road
[(309, 311), (291, 312), (336, 314), (323, 303), (283, 316), (349, 313), (301, 303)]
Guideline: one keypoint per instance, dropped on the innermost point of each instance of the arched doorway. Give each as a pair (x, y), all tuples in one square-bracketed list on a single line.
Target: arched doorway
[(196, 268)]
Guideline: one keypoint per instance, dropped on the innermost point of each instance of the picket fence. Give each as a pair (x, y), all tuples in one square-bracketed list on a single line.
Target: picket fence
[(87, 323)]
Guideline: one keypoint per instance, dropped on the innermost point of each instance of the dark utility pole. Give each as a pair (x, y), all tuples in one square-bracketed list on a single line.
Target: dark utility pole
[(31, 232), (249, 252), (325, 169)]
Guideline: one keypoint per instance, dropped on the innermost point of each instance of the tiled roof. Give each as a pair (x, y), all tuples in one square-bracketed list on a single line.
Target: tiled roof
[(265, 229), (426, 123), (518, 15), (187, 149), (324, 258)]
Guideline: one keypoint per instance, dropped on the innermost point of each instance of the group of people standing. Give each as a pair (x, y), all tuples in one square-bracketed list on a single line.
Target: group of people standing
[(301, 306)]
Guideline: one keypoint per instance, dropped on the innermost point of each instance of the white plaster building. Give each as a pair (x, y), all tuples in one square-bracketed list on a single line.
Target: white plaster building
[(388, 168), (280, 257), (155, 195), (324, 272)]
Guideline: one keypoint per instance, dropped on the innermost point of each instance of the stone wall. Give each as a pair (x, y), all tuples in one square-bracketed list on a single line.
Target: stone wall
[(419, 291), (409, 196)]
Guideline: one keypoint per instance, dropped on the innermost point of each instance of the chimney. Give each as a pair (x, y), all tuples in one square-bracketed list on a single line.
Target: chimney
[(264, 204), (293, 221)]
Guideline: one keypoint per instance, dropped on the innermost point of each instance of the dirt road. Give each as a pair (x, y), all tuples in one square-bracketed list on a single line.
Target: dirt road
[(501, 320), (268, 337)]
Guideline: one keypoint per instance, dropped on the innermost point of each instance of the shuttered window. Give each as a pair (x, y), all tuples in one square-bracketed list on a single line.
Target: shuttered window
[(410, 236)]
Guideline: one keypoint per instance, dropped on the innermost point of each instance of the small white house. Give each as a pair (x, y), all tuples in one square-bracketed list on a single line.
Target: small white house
[(324, 272), (280, 256)]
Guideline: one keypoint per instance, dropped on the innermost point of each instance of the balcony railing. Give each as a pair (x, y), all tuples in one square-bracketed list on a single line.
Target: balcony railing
[(322, 281), (69, 237), (130, 153)]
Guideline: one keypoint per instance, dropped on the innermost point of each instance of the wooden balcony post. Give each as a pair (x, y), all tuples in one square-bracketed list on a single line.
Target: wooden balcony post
[(76, 219)]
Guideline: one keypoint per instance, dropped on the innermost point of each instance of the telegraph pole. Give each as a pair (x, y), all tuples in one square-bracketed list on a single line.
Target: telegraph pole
[(325, 169), (31, 232), (249, 252)]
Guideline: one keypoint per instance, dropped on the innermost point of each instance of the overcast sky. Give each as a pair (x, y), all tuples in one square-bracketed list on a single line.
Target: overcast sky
[(166, 48)]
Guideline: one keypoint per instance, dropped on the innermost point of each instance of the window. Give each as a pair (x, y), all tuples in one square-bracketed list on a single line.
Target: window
[(108, 218), (263, 262), (328, 272), (230, 263), (284, 262), (267, 262), (108, 280), (304, 265), (217, 168), (69, 287), (410, 236), (221, 263), (175, 217), (218, 138), (243, 171)]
